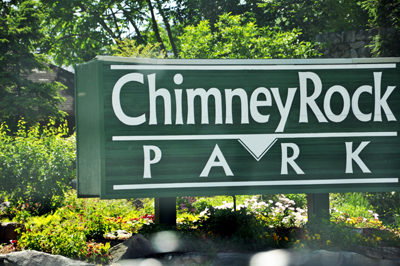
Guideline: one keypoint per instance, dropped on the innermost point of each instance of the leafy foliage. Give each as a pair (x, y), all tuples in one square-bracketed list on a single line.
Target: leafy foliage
[(234, 38), (313, 16), (352, 205), (130, 48), (21, 32), (72, 229), (36, 165), (385, 15)]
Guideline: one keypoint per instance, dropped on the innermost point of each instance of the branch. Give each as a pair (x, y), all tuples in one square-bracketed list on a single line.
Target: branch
[(155, 27)]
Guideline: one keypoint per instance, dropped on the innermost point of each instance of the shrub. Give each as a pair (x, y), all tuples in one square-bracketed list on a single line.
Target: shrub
[(36, 165)]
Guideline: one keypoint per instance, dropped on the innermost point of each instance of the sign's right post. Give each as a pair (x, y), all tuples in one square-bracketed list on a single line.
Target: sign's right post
[(317, 206)]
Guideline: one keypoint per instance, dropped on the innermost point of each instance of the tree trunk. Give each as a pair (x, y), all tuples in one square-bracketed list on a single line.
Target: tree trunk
[(167, 26), (155, 27)]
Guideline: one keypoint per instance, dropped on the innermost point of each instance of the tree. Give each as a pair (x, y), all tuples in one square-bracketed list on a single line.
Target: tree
[(79, 30), (385, 15), (315, 16), (191, 12), (130, 48), (20, 36), (235, 38)]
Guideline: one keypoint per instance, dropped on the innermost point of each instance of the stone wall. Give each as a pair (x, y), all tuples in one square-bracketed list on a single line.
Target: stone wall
[(349, 44)]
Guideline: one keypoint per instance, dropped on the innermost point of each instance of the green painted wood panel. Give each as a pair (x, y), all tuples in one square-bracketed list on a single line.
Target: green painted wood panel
[(296, 140), (88, 129)]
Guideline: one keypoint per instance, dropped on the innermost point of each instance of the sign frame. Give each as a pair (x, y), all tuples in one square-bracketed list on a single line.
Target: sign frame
[(92, 153)]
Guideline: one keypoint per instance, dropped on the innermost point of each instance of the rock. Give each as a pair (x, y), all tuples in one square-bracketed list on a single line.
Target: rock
[(355, 259), (36, 258), (344, 46), (138, 204), (136, 247), (364, 52), (139, 247), (390, 253), (273, 257), (118, 251), (4, 205), (118, 234), (361, 35), (232, 259), (335, 37), (350, 36), (7, 231), (318, 258), (337, 55), (357, 45), (191, 258), (372, 253), (367, 251), (346, 54), (353, 53)]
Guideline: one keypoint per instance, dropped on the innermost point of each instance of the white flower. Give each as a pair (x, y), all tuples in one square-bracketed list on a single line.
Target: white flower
[(270, 201), (285, 200)]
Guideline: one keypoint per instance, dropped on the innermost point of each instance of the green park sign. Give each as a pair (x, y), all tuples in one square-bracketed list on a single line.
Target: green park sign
[(167, 128)]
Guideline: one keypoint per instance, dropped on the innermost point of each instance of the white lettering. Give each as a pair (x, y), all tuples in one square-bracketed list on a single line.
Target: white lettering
[(216, 154), (191, 94), (178, 100), (283, 110), (310, 91), (380, 103), (355, 100), (147, 158), (353, 156), (290, 160), (244, 105), (153, 94), (346, 103), (255, 103), (310, 100), (116, 103)]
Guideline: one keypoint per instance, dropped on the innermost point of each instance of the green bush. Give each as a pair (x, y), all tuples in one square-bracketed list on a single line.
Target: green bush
[(351, 205), (235, 37), (36, 165)]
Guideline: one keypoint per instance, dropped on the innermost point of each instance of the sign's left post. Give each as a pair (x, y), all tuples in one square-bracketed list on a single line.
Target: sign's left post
[(89, 125)]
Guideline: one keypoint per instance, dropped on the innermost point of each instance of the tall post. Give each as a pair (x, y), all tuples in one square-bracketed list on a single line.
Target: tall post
[(165, 210), (318, 206)]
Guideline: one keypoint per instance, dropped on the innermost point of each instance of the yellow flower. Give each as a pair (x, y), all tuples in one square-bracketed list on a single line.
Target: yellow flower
[(297, 241), (286, 238), (328, 242), (318, 236)]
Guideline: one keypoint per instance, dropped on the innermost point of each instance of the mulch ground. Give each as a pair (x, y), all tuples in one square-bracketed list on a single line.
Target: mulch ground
[(6, 249)]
